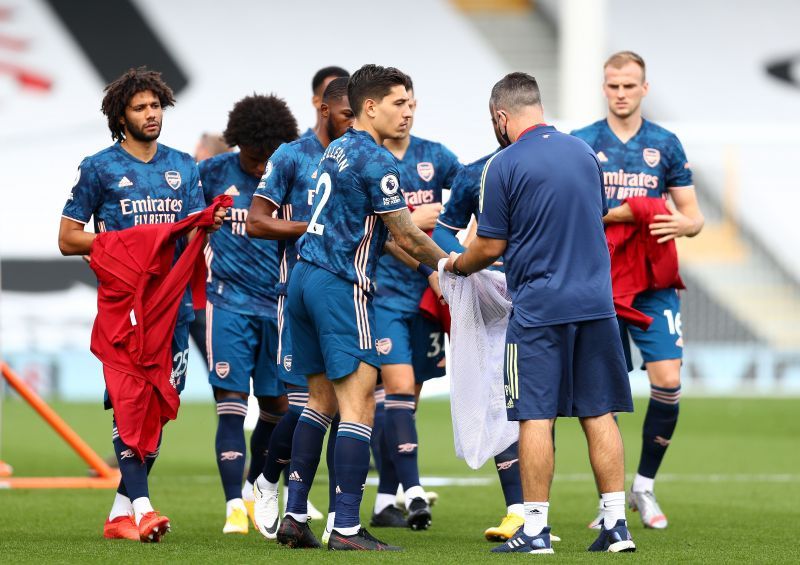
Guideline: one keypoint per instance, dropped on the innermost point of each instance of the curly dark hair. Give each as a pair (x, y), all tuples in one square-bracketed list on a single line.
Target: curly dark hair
[(119, 94), (261, 122)]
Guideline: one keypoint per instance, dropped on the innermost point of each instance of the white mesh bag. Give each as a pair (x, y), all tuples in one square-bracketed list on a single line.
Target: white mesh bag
[(479, 308)]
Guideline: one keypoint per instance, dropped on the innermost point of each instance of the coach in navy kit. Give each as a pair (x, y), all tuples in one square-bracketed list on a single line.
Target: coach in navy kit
[(541, 207)]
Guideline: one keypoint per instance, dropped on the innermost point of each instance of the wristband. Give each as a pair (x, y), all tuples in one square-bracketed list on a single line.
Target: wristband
[(424, 269)]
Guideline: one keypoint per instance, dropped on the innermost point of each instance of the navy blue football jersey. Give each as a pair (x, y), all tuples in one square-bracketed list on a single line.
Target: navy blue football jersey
[(425, 170), (290, 183), (357, 180), (121, 191), (650, 163), (464, 195), (242, 271)]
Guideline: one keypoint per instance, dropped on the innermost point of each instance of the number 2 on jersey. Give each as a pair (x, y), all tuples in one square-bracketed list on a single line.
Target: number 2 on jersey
[(324, 183)]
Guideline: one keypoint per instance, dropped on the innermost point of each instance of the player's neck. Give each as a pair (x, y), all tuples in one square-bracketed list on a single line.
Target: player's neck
[(625, 128), (398, 147), (359, 125), (322, 135), (142, 150)]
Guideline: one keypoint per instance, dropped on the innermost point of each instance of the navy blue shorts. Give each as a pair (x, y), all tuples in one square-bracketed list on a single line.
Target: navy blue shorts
[(241, 347), (664, 338), (573, 369), (409, 338), (332, 321), (285, 369)]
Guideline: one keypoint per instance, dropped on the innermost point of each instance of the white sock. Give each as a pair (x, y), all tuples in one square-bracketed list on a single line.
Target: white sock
[(121, 507), (383, 501), (414, 492), (234, 504), (302, 518), (329, 524), (286, 500), (643, 484), (535, 517), (349, 531), (613, 508), (247, 491), (141, 506), (266, 486), (518, 509)]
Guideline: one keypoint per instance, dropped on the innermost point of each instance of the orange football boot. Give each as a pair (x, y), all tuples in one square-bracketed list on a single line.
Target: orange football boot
[(152, 527), (121, 527)]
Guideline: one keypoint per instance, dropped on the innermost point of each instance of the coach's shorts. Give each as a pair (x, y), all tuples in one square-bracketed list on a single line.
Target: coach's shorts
[(409, 338), (663, 339), (242, 347), (573, 369), (332, 321), (180, 360), (286, 372)]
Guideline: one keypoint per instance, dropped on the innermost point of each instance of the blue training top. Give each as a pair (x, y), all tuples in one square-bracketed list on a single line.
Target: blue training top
[(544, 195)]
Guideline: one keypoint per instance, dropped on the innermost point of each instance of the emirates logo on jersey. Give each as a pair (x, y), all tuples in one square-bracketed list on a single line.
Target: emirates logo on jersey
[(173, 179), (223, 369), (651, 156), (425, 171)]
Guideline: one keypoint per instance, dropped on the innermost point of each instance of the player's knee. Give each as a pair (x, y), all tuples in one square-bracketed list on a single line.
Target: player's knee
[(665, 374), (221, 394), (275, 404)]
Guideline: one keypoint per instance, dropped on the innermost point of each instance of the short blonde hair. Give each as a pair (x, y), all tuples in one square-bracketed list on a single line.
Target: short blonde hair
[(622, 58)]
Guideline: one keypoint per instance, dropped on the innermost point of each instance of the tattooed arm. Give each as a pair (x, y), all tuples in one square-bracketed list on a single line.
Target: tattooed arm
[(411, 239)]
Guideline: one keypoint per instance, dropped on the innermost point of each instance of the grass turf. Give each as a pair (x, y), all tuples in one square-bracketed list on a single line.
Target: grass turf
[(730, 485)]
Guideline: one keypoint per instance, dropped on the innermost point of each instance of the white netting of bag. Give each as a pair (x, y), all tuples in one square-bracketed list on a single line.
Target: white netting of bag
[(479, 309)]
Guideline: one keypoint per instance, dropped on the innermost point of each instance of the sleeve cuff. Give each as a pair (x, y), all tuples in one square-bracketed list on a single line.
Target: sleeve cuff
[(267, 198), (84, 222), (493, 233)]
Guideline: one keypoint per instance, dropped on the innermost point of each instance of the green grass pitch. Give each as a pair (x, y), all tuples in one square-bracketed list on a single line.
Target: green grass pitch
[(730, 486)]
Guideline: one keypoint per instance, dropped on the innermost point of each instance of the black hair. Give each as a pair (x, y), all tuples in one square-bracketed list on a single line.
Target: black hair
[(515, 91), (373, 81), (119, 93), (336, 89), (409, 83), (262, 122), (326, 72)]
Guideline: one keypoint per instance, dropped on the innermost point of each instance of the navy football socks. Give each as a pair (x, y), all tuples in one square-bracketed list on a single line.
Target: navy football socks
[(330, 460), (507, 463), (659, 425), (306, 452), (259, 442), (280, 446), (230, 445), (133, 482), (352, 466), (400, 430)]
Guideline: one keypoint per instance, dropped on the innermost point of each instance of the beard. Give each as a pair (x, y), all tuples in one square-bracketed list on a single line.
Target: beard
[(139, 134)]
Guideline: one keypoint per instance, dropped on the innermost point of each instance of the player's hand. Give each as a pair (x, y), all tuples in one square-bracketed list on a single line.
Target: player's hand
[(424, 216), (672, 225), (450, 261), (86, 258), (219, 217), (433, 282)]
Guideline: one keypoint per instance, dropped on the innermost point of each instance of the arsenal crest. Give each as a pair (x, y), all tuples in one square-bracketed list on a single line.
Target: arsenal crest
[(425, 171), (287, 363), (173, 179), (383, 345), (651, 156), (222, 368)]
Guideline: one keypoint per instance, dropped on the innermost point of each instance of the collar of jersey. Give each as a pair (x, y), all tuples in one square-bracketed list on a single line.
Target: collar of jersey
[(156, 157), (541, 127)]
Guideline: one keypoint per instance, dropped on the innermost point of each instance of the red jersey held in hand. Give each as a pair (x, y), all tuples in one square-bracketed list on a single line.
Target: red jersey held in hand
[(138, 298)]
